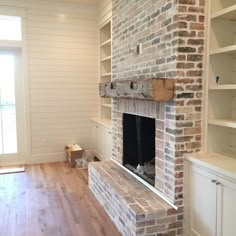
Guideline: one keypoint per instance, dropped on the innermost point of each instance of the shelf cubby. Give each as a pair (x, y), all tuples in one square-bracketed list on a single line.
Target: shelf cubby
[(223, 34), (222, 66), (217, 6), (105, 33), (222, 140), (105, 52), (222, 104), (228, 13)]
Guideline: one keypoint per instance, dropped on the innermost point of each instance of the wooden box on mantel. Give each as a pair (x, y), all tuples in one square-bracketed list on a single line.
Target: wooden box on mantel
[(147, 89)]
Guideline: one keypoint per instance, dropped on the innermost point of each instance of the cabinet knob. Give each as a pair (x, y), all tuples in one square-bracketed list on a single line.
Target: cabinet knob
[(213, 181), (218, 183)]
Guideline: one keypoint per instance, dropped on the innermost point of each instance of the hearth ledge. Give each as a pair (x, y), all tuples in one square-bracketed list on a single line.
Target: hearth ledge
[(129, 203)]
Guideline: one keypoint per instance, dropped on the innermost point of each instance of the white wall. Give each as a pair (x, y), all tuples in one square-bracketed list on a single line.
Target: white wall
[(63, 74), (104, 11)]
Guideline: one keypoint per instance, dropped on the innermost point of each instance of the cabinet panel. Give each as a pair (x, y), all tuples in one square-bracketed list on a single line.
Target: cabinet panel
[(202, 203), (108, 144), (100, 141), (226, 207), (103, 141)]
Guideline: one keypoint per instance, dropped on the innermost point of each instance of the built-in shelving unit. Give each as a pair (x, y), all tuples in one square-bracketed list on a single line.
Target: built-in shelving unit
[(105, 66), (221, 95)]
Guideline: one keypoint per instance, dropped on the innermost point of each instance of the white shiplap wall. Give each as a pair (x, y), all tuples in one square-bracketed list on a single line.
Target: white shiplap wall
[(104, 11), (63, 71)]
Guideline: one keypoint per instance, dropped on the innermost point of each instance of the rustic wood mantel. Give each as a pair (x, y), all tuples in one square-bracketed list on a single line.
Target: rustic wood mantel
[(147, 89)]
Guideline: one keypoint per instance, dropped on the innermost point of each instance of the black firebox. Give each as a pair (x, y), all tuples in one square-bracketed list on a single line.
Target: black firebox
[(139, 146)]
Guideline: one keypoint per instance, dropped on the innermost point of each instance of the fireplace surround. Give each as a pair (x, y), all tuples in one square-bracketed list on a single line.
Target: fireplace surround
[(173, 37)]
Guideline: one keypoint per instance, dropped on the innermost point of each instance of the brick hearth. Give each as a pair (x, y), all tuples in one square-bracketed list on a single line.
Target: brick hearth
[(134, 208)]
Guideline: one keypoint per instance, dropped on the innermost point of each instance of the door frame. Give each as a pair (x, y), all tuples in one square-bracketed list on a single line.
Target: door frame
[(20, 47)]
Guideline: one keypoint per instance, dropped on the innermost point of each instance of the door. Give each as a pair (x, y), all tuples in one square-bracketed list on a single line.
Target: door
[(202, 203), (226, 208), (11, 109)]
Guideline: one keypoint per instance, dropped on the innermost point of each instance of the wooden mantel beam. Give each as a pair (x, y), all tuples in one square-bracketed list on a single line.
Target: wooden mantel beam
[(147, 89)]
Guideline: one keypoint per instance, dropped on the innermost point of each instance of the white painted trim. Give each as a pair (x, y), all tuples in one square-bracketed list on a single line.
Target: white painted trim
[(206, 79), (26, 93), (15, 47), (148, 185), (11, 45), (12, 11)]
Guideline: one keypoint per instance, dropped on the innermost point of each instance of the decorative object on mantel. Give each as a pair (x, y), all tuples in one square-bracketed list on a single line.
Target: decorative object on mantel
[(146, 89)]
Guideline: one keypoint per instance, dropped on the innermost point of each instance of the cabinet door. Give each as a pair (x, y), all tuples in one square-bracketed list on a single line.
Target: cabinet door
[(202, 203), (108, 144), (94, 135), (226, 208), (100, 141)]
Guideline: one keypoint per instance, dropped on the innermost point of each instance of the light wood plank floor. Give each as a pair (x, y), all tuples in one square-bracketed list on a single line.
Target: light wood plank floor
[(51, 199)]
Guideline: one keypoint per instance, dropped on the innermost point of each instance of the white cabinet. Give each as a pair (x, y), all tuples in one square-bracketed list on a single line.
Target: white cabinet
[(107, 143), (202, 203), (99, 141), (103, 139), (226, 208), (210, 208)]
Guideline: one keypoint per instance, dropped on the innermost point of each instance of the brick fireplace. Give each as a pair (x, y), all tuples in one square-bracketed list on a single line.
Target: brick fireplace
[(172, 33)]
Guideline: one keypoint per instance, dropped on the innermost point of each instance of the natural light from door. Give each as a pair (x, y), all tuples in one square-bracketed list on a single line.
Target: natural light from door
[(8, 135), (10, 28)]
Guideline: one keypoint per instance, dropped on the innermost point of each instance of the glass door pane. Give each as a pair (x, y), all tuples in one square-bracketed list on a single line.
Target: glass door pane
[(8, 135)]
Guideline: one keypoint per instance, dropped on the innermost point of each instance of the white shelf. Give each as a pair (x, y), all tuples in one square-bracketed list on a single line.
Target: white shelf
[(106, 105), (230, 123), (107, 74), (228, 13), (225, 50), (106, 43), (223, 87), (106, 59)]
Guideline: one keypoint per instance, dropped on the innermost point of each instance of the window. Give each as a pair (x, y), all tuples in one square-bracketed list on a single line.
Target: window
[(10, 28)]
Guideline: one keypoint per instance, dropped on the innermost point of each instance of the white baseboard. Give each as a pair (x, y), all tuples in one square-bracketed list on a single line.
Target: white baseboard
[(47, 158)]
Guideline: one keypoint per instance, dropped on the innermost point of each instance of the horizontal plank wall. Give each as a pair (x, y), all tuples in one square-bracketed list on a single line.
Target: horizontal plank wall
[(63, 74), (104, 11)]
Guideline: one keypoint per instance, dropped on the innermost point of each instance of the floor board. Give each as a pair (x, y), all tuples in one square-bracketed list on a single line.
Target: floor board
[(51, 199)]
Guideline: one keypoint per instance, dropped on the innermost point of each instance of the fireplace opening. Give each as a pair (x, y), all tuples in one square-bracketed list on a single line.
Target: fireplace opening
[(139, 146)]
